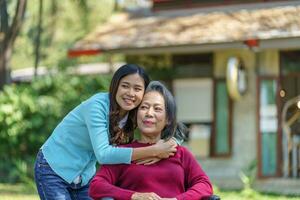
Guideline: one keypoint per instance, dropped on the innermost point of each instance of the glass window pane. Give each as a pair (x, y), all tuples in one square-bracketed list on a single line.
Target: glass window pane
[(268, 127), (222, 119), (290, 62)]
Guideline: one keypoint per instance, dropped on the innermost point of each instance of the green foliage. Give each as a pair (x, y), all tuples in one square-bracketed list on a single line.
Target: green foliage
[(159, 67), (29, 113), (248, 176), (64, 23)]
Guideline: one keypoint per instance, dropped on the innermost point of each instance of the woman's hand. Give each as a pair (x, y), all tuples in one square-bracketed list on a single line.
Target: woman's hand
[(145, 196), (166, 149), (148, 161)]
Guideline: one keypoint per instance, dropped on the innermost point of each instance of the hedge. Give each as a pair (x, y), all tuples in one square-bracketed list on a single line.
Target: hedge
[(29, 113)]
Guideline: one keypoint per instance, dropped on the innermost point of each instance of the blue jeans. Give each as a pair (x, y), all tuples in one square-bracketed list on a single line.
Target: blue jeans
[(50, 186)]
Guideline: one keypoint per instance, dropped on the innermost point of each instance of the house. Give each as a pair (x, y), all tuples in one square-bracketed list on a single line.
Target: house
[(27, 74), (234, 67)]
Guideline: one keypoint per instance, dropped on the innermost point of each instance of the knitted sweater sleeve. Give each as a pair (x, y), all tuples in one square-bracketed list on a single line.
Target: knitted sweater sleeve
[(95, 112), (197, 183)]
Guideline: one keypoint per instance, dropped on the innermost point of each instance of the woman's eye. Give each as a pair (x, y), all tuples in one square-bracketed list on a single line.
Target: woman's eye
[(143, 107), (137, 89), (125, 86), (158, 109)]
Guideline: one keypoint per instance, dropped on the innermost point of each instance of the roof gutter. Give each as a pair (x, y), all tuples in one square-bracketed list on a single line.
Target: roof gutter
[(73, 53)]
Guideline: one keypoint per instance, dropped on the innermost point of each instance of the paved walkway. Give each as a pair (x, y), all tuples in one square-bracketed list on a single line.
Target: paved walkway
[(284, 186)]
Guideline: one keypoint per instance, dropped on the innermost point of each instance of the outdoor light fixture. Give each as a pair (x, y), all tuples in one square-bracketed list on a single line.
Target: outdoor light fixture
[(236, 78), (252, 44), (298, 104), (282, 93)]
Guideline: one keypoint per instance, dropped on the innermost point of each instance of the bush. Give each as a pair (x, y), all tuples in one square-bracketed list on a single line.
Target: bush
[(29, 113)]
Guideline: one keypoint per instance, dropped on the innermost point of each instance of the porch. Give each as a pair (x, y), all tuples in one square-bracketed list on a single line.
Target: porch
[(282, 186)]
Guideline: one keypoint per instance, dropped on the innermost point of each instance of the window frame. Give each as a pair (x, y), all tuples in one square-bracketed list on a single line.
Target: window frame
[(213, 152)]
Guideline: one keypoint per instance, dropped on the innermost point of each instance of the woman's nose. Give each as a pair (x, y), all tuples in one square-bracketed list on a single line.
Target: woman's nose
[(149, 112), (131, 92)]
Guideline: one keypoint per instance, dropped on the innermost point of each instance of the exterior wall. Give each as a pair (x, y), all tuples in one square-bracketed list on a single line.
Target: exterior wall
[(268, 62), (226, 171)]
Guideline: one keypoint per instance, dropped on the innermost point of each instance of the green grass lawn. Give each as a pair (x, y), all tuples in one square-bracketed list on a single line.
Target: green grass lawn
[(20, 192), (235, 195), (17, 192)]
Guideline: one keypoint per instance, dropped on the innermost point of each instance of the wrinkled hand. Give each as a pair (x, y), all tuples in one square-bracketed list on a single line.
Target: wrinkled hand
[(145, 196), (166, 149), (148, 161)]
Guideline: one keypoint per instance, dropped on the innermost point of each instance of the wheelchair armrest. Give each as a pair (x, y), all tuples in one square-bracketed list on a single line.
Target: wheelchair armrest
[(214, 197)]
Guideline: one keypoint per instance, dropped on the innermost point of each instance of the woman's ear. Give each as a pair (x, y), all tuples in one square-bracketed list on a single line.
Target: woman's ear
[(167, 121)]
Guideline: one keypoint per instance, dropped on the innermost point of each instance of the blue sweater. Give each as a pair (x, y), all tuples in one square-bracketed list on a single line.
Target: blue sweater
[(81, 139)]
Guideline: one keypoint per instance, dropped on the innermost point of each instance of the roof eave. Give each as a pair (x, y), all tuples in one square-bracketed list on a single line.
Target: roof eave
[(274, 43), (186, 48), (73, 53)]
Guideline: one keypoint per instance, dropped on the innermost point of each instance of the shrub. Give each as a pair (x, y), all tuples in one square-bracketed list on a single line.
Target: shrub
[(29, 113)]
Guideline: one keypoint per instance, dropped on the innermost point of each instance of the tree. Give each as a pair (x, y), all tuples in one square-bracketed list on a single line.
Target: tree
[(8, 36), (63, 23)]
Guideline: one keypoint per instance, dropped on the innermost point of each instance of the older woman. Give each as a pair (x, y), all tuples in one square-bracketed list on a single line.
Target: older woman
[(179, 177)]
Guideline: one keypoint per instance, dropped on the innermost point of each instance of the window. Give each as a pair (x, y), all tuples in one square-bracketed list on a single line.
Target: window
[(193, 89), (222, 134), (193, 65), (193, 98), (268, 127), (290, 62)]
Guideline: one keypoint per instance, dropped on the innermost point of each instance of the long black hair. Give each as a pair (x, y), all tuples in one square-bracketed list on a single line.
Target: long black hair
[(123, 135), (172, 128)]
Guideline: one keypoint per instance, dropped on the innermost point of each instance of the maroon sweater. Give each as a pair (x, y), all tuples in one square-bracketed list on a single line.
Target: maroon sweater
[(179, 176)]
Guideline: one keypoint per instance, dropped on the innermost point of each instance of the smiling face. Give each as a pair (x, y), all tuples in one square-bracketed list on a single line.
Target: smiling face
[(130, 92), (151, 115)]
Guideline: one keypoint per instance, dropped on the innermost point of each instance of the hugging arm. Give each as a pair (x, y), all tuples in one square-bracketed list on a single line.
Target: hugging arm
[(96, 122), (197, 183)]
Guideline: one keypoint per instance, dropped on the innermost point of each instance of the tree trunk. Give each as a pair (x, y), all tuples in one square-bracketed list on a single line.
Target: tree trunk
[(4, 70), (4, 29), (51, 27), (8, 37), (116, 6), (38, 38)]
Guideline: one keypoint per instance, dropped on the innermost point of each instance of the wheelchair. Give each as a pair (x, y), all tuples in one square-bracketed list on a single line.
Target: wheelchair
[(212, 197)]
